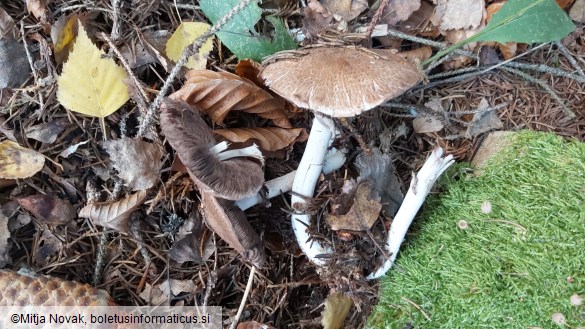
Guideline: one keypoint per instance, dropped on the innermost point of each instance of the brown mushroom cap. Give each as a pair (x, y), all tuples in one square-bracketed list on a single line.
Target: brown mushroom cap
[(340, 82), (192, 139)]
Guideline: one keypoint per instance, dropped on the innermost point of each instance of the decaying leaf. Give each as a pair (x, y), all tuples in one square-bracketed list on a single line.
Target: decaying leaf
[(46, 132), (250, 70), (184, 36), (38, 8), (4, 238), (137, 162), (48, 208), (218, 93), (337, 306), (484, 120), (378, 168), (399, 10), (113, 215), (363, 213), (189, 249), (426, 124), (8, 28), (346, 9), (164, 292), (19, 162), (272, 139), (460, 14), (316, 19), (230, 223), (72, 149), (577, 12), (91, 83), (14, 67), (49, 245), (148, 49), (63, 34)]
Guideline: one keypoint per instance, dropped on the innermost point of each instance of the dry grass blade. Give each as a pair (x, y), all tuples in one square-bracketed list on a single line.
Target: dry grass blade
[(270, 139), (113, 215), (218, 93)]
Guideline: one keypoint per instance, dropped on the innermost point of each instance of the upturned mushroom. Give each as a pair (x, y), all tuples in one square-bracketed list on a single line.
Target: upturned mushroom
[(221, 175), (341, 82)]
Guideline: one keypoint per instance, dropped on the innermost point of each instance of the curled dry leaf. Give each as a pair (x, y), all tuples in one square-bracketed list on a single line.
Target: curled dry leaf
[(48, 208), (137, 162), (230, 223), (113, 215), (363, 213), (19, 162), (38, 8), (218, 93), (272, 139), (250, 70), (189, 135)]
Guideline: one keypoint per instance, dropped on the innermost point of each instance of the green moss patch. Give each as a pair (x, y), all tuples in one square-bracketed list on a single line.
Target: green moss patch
[(510, 268)]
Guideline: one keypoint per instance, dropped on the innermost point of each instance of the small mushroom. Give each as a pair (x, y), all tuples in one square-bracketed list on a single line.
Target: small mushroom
[(220, 176), (338, 82)]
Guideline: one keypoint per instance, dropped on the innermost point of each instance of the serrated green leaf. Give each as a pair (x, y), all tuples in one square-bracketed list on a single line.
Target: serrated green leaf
[(239, 33), (91, 83), (527, 21)]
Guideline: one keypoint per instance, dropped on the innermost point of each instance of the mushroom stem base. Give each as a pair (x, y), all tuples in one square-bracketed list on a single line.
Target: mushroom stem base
[(304, 183), (420, 186)]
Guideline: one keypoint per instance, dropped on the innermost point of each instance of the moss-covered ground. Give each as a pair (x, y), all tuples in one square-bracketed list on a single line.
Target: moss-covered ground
[(510, 268)]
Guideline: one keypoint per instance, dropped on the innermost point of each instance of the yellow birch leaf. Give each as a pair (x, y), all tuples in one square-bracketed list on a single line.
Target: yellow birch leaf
[(19, 162), (91, 83), (184, 36)]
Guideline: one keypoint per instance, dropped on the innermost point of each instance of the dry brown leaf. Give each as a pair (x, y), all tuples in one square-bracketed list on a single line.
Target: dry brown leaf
[(19, 162), (316, 19), (250, 70), (346, 9), (8, 28), (577, 12), (63, 34), (460, 14), (49, 245), (399, 10), (337, 307), (564, 3), (137, 162), (113, 215), (230, 223), (46, 132), (253, 325), (272, 139), (363, 213), (420, 54), (48, 208), (483, 121), (218, 93), (38, 8)]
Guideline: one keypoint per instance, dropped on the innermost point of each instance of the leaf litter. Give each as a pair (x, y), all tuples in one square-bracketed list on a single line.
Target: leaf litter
[(294, 283)]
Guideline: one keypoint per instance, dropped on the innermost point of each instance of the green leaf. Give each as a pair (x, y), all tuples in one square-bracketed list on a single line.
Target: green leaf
[(525, 21), (239, 33)]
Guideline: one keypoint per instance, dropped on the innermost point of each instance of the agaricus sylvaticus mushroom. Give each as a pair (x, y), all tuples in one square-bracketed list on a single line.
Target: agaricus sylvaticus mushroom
[(221, 176), (335, 82)]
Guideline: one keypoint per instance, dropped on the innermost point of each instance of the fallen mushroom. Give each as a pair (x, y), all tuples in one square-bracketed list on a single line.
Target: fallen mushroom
[(221, 176), (337, 82)]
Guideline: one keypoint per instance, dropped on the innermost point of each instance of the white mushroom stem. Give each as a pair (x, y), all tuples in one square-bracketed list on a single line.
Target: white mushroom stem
[(223, 153), (334, 159), (308, 172), (420, 186)]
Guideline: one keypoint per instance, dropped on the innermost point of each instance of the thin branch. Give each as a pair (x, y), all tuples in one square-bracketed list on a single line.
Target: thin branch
[(187, 52), (570, 58), (245, 298)]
